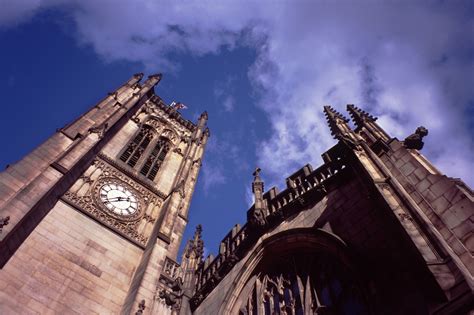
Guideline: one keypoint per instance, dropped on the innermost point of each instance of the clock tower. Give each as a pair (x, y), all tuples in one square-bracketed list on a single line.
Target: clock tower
[(92, 219)]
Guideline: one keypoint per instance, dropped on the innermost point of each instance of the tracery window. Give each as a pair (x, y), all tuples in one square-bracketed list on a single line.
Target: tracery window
[(309, 284), (156, 158), (137, 146)]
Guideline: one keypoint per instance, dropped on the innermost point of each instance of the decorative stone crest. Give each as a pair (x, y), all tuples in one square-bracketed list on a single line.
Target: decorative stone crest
[(99, 130)]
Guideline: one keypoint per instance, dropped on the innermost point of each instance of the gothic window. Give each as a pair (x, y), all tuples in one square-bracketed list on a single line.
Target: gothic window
[(310, 284), (137, 146), (156, 158)]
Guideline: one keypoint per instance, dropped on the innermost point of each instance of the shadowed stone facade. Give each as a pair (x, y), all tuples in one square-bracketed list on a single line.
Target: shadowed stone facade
[(375, 230), (91, 222)]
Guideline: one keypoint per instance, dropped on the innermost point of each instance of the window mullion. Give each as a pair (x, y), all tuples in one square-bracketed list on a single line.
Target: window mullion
[(155, 159), (146, 153)]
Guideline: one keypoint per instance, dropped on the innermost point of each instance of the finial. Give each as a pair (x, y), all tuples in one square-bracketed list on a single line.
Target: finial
[(204, 115), (196, 245), (159, 76), (197, 233), (256, 175), (257, 184), (138, 76), (359, 116), (256, 216), (202, 120)]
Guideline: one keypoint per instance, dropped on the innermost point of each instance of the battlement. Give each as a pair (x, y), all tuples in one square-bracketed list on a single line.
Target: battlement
[(305, 186), (172, 113)]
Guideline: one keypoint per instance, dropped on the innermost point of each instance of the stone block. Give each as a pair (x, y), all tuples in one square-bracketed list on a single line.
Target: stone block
[(463, 229), (423, 185), (440, 205), (463, 209), (470, 243)]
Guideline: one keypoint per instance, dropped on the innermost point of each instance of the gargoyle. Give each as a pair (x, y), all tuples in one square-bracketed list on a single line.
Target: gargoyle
[(172, 298), (415, 141), (258, 218)]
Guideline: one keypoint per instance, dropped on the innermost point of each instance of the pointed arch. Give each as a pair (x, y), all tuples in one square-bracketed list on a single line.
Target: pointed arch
[(272, 281), (155, 158), (137, 146)]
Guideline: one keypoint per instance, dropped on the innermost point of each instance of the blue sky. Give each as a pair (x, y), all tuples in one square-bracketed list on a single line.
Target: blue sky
[(263, 70)]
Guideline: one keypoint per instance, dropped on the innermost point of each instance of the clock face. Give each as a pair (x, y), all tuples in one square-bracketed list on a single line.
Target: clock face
[(118, 199)]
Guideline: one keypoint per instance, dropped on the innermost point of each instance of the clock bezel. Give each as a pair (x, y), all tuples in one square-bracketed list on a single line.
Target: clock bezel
[(98, 200)]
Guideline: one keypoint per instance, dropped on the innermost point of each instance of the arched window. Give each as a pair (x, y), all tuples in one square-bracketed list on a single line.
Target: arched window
[(303, 284), (156, 158), (137, 146)]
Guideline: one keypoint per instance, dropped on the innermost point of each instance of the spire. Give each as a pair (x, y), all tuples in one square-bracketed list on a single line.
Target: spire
[(153, 79), (133, 81), (359, 116), (366, 125), (336, 121), (196, 244)]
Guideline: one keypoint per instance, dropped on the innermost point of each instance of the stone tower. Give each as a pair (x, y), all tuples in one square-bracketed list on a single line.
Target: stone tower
[(92, 219), (376, 229)]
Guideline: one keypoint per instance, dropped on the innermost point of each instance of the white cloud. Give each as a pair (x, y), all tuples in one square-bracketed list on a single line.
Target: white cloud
[(408, 63), (212, 175), (223, 91), (228, 103)]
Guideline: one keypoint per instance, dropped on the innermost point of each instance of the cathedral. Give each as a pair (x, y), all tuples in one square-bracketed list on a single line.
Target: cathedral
[(91, 222)]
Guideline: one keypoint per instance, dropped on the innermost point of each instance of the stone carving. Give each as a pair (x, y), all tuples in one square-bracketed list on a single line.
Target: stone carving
[(348, 142), (4, 221), (86, 179), (405, 216), (178, 151), (99, 130), (171, 135), (258, 219), (415, 140), (113, 94), (180, 189), (141, 308), (88, 201), (161, 110), (172, 269), (173, 298)]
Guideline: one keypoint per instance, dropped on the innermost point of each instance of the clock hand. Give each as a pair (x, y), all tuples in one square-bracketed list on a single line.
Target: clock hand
[(119, 199)]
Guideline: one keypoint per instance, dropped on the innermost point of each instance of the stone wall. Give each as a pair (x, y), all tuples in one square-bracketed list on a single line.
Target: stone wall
[(70, 264)]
